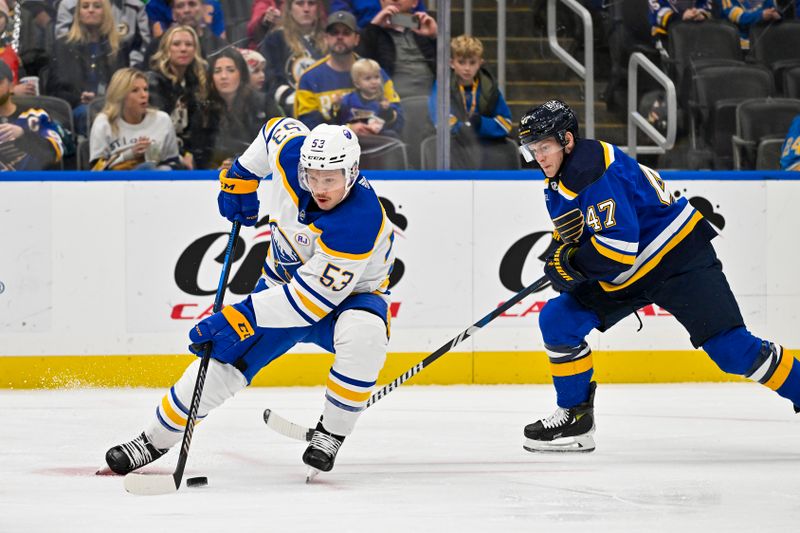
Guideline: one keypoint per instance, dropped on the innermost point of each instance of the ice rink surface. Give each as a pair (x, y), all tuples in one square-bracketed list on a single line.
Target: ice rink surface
[(693, 457)]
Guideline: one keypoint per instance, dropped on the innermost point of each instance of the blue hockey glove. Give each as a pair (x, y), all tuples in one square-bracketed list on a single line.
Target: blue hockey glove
[(562, 275), (229, 332), (238, 199)]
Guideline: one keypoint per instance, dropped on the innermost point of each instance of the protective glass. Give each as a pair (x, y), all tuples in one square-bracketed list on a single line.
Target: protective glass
[(543, 148)]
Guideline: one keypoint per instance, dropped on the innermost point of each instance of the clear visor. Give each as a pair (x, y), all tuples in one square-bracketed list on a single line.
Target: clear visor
[(542, 148), (320, 181)]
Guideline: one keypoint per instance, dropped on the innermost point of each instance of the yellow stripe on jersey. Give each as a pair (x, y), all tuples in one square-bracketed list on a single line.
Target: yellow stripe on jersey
[(566, 193), (238, 322), (782, 372), (656, 259), (613, 254), (311, 306), (608, 153), (343, 255), (503, 122), (571, 368), (346, 393), (315, 229), (174, 417)]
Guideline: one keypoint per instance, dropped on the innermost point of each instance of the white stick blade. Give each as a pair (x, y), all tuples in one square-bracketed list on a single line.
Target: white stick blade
[(150, 484), (289, 429)]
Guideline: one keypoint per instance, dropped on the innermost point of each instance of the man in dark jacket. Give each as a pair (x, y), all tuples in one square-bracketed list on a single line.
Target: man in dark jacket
[(404, 45)]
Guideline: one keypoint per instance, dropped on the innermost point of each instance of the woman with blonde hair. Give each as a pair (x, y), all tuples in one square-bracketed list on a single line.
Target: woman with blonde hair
[(293, 47), (128, 133), (85, 58), (178, 86)]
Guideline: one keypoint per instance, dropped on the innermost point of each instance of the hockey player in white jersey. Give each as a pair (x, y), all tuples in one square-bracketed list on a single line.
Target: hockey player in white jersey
[(325, 281)]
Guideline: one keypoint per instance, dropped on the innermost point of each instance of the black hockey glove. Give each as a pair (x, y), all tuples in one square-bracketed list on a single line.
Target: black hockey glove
[(562, 275)]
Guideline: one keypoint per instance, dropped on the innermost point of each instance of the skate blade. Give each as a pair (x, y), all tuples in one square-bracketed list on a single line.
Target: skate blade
[(311, 474), (582, 444)]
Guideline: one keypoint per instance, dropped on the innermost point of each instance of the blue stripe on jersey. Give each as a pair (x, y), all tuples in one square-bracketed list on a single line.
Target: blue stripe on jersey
[(164, 423), (314, 293), (270, 274), (238, 171), (271, 131), (352, 381), (341, 405), (391, 245), (295, 306), (288, 160)]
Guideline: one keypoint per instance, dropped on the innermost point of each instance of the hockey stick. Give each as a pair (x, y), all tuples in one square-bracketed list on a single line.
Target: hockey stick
[(296, 431), (152, 484)]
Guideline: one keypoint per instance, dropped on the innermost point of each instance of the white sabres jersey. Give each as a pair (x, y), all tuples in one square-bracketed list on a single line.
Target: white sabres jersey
[(316, 258)]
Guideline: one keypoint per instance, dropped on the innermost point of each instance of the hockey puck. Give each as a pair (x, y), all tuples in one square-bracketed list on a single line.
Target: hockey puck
[(200, 481)]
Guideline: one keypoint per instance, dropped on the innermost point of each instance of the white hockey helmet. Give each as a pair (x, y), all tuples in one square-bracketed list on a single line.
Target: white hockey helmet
[(330, 147)]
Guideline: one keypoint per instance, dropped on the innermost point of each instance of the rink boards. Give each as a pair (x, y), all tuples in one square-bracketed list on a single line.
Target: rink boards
[(100, 281)]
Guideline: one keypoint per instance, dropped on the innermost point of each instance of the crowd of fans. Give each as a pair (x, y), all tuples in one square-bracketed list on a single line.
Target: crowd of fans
[(158, 84)]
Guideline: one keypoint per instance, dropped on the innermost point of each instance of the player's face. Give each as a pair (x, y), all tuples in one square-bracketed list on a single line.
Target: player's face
[(549, 154), (137, 100), (370, 84), (466, 68), (327, 187)]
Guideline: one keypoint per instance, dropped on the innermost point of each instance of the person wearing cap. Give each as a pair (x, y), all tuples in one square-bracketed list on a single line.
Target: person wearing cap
[(408, 54), (323, 85), (28, 138), (296, 44), (255, 65)]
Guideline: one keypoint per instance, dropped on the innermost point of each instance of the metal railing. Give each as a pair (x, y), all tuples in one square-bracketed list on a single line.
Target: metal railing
[(635, 118), (585, 70)]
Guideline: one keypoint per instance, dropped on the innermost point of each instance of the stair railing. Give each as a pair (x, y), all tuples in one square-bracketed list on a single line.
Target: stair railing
[(585, 70), (639, 60)]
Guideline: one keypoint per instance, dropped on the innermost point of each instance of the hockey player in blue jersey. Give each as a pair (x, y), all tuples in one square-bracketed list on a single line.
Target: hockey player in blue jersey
[(626, 242), (325, 281)]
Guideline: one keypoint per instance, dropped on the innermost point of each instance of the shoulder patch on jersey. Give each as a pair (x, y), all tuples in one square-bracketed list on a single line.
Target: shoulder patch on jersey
[(586, 164)]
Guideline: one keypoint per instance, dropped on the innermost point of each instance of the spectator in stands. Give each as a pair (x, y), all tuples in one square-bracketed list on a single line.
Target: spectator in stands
[(404, 44), (235, 112), (665, 12), (293, 47), (479, 115), (131, 23), (129, 134), (178, 86), (790, 158), (190, 13), (256, 65), (7, 53), (28, 140), (368, 104), (162, 15), (36, 39), (85, 59), (365, 10), (263, 18), (745, 13)]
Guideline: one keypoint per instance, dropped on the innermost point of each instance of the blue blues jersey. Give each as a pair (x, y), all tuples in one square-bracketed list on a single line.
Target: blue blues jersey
[(619, 212), (664, 12), (316, 258), (790, 157), (320, 91), (745, 13)]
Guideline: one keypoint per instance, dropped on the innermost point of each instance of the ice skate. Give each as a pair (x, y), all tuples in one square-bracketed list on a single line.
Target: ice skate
[(129, 456), (566, 430), (321, 452)]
